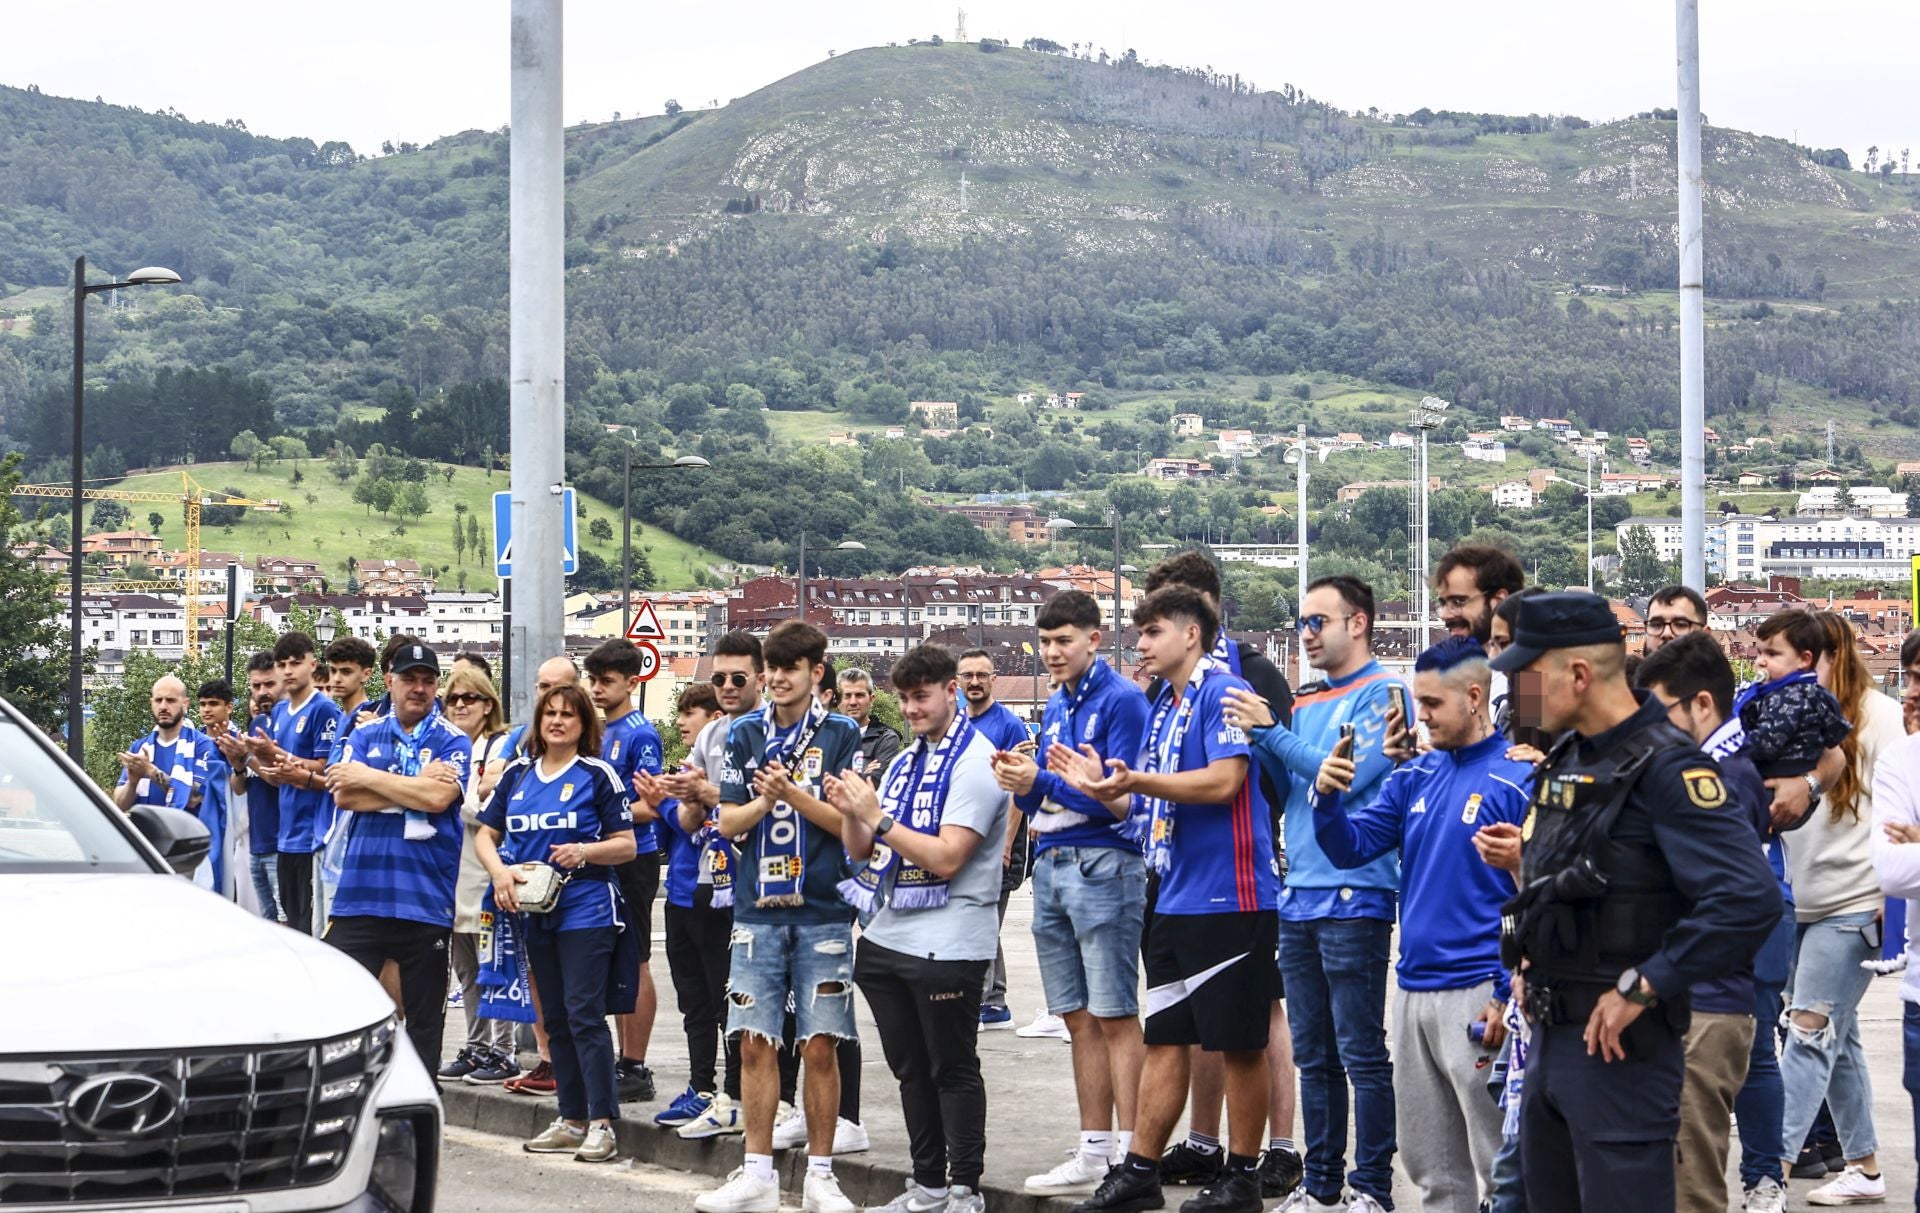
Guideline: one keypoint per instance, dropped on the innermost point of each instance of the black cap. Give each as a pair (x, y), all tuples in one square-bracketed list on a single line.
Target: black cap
[(1557, 621), (414, 657)]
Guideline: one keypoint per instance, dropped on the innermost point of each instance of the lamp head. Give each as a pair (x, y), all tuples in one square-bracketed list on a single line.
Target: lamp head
[(691, 461), (153, 275)]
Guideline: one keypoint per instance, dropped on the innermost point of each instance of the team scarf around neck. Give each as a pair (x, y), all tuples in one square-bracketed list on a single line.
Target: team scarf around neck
[(915, 797), (716, 853), (1060, 817), (783, 834), (1226, 652), (179, 773), (1164, 743), (1755, 690)]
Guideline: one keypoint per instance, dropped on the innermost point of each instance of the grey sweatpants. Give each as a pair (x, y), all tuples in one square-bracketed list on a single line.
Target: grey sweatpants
[(1449, 1128)]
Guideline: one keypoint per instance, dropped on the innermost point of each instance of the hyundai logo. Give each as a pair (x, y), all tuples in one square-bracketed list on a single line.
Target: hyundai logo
[(122, 1105)]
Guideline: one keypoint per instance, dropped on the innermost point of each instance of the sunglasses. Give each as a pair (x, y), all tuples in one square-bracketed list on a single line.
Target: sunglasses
[(1315, 624), (466, 697), (738, 679)]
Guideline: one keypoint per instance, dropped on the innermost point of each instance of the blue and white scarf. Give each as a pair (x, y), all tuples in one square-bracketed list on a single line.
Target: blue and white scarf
[(1164, 744), (419, 825), (1521, 1033), (501, 975), (1226, 652), (1053, 815), (1754, 690), (783, 831), (717, 855), (915, 797), (179, 773)]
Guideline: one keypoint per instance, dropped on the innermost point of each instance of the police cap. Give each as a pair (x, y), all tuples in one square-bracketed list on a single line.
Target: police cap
[(1557, 621)]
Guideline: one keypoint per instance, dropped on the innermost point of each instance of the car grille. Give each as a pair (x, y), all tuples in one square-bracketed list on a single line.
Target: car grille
[(196, 1123)]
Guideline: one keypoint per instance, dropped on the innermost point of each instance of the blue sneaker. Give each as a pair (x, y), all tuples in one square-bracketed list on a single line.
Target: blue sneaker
[(996, 1019), (687, 1108)]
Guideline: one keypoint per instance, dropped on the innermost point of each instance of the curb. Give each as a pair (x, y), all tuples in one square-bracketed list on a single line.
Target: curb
[(865, 1182)]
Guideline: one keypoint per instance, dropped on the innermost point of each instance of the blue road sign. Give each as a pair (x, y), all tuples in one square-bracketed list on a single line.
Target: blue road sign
[(503, 534)]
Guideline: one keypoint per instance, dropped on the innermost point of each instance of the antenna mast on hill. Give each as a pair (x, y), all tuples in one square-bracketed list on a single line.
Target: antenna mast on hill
[(960, 27), (1829, 424), (963, 210)]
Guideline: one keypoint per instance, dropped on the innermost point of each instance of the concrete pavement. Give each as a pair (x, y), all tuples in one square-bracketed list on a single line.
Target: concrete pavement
[(1031, 1115)]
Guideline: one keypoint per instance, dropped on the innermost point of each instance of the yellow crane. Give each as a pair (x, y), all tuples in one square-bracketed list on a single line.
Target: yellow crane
[(194, 495)]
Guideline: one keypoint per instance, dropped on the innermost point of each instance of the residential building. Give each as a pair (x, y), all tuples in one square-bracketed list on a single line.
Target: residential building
[(373, 618), (120, 623), (1013, 520), (45, 557), (1399, 439), (1237, 442), (1024, 398), (1512, 495), (1515, 425), (1486, 449), (1350, 493), (1188, 425), (1871, 500), (1751, 480), (287, 574), (1745, 547), (121, 548), (1348, 441), (464, 619), (943, 413), (1074, 399), (894, 432), (1558, 426), (1621, 484), (1910, 468), (1712, 438), (691, 619), (1178, 469), (380, 577), (1267, 555)]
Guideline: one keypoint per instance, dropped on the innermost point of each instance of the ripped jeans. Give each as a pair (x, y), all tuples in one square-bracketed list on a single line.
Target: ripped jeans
[(773, 959), (1828, 1063)]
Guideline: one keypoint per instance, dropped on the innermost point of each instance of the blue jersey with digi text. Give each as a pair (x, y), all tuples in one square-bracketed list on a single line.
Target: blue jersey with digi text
[(1112, 718), (263, 802), (835, 750), (682, 876), (632, 744), (305, 732), (385, 874), (1429, 810), (1004, 729), (1221, 859), (537, 812)]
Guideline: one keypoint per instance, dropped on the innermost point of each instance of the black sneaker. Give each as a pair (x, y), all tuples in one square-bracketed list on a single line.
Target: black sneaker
[(465, 1062), (495, 1068), (1813, 1163), (1233, 1192), (633, 1081), (1186, 1165), (1280, 1172), (1124, 1190)]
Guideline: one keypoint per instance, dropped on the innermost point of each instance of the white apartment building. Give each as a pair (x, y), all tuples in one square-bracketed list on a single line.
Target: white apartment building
[(1746, 547), (1512, 495), (463, 618), (118, 623)]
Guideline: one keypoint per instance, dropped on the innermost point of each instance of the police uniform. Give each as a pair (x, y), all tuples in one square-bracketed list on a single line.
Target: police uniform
[(1639, 876)]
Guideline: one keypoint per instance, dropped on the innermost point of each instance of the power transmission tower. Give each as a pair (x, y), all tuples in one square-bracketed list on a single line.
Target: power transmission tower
[(960, 27)]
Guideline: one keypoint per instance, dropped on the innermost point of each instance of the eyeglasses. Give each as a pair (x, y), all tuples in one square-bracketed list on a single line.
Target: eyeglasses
[(1313, 625), (467, 697), (721, 677), (1679, 625), (986, 677), (1456, 602)]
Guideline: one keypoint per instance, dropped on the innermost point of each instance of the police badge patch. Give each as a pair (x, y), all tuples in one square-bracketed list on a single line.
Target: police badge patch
[(1704, 788)]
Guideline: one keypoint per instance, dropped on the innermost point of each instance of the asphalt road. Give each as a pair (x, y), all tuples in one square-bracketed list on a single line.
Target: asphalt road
[(484, 1173)]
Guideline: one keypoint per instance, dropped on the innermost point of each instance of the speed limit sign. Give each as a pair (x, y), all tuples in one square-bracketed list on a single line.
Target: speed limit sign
[(649, 660)]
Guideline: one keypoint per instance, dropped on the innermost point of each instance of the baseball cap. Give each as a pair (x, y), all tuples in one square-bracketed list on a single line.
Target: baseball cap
[(414, 657), (1557, 621)]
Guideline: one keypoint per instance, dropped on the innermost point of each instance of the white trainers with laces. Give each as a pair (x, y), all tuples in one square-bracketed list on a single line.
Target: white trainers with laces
[(721, 1118), (1360, 1202), (1853, 1187), (850, 1138), (822, 1194), (1078, 1175), (1044, 1025), (1765, 1197), (742, 1193), (915, 1199), (962, 1199), (789, 1128), (1301, 1201)]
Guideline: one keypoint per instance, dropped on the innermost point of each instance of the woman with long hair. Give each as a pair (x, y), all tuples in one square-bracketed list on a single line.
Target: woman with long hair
[(1837, 901), (561, 806), (489, 1055)]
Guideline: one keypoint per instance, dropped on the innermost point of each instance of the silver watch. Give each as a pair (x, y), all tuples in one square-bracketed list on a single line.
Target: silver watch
[(1815, 789)]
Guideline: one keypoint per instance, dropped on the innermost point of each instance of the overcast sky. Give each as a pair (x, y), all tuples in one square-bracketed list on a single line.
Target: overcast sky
[(1837, 73)]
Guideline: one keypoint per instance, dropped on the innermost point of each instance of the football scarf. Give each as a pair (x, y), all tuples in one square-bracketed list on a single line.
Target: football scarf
[(783, 831), (1755, 690), (915, 797), (1164, 743), (1054, 816), (1226, 652), (505, 990), (177, 790)]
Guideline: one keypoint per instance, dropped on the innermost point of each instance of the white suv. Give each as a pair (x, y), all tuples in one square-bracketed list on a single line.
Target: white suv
[(161, 1048)]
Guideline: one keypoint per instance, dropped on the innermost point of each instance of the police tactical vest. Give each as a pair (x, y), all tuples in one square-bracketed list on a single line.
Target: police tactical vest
[(1577, 803)]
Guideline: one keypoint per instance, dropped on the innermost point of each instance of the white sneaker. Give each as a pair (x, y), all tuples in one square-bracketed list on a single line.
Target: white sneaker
[(1044, 1025), (721, 1118), (915, 1199), (1853, 1187), (850, 1138), (962, 1199), (1360, 1202), (789, 1127), (822, 1194), (1765, 1197), (1078, 1175), (1301, 1201), (742, 1193)]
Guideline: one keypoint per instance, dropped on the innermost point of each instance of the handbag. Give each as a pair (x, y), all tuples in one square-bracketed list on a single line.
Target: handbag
[(541, 891)]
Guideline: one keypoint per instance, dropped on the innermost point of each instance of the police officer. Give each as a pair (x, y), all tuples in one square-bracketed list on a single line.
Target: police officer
[(1639, 879)]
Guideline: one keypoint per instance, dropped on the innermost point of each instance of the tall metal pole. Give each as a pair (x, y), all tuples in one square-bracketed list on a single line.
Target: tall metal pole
[(800, 582), (626, 544), (906, 634), (537, 336), (1589, 524), (76, 714), (1693, 387), (1300, 541), (1425, 551), (1114, 515)]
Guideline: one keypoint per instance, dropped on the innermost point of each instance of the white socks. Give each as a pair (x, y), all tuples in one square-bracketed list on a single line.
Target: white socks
[(760, 1166), (817, 1165)]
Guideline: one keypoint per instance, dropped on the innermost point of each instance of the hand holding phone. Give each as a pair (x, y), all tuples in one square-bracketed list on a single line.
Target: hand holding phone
[(1343, 748)]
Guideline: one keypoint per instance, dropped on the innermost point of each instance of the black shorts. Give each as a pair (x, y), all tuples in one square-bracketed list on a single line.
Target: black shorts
[(639, 879), (1212, 980)]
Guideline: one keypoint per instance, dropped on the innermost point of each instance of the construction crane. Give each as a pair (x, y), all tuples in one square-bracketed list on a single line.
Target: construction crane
[(193, 495)]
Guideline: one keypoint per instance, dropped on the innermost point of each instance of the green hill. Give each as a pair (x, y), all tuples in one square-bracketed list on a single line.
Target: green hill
[(331, 527)]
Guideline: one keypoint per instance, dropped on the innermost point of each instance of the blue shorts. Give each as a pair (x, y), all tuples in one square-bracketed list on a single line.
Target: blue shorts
[(1089, 904), (777, 963)]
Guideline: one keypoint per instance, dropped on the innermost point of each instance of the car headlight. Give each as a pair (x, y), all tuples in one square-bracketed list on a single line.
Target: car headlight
[(405, 1161)]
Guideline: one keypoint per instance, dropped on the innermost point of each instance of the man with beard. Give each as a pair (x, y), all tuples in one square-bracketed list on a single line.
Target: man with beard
[(168, 766), (1469, 582)]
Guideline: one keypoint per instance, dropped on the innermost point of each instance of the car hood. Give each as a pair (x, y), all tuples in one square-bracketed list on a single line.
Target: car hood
[(110, 963)]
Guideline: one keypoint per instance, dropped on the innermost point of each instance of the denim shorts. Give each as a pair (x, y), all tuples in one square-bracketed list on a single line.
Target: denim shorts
[(1089, 904), (775, 961)]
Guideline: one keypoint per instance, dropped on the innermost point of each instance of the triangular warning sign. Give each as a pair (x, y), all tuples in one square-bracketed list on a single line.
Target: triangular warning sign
[(646, 623)]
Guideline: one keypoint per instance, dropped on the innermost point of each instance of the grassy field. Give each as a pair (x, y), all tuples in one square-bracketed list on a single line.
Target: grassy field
[(332, 527)]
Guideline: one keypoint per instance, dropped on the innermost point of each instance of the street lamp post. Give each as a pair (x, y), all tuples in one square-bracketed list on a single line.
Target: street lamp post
[(1056, 525), (800, 588), (151, 275), (626, 524), (1589, 522), (1427, 415)]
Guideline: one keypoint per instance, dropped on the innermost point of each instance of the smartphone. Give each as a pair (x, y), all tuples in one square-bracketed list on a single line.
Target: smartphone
[(1343, 748), (1873, 936)]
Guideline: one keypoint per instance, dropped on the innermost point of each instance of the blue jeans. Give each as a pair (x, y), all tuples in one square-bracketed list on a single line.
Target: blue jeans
[(1336, 975), (1910, 1076), (266, 884), (810, 961), (1088, 911), (1762, 1100), (1828, 1062), (1506, 1193)]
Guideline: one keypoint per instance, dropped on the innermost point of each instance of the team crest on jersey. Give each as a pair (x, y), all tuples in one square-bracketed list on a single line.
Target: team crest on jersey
[(566, 792), (614, 756), (1093, 722), (1472, 811), (300, 724), (1704, 788), (813, 763)]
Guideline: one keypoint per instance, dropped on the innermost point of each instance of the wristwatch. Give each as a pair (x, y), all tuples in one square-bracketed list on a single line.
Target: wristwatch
[(883, 825), (1814, 787), (1635, 989)]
